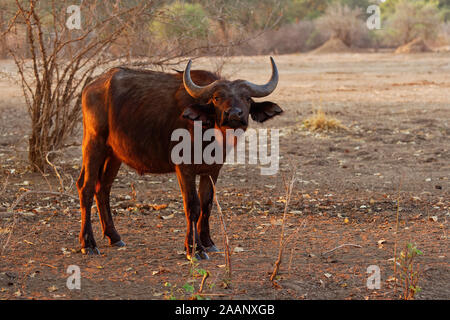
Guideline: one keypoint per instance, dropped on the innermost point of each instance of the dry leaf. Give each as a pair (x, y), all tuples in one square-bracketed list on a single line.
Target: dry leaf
[(159, 206), (170, 216), (391, 279), (276, 222), (4, 231), (238, 249), (52, 289)]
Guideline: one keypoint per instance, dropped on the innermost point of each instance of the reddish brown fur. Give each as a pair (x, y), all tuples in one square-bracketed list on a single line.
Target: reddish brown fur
[(129, 116)]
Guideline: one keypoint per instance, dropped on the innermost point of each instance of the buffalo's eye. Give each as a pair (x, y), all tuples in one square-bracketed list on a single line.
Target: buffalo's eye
[(216, 98)]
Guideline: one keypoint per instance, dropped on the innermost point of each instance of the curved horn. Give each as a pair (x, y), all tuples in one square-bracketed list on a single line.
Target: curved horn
[(194, 90), (259, 91)]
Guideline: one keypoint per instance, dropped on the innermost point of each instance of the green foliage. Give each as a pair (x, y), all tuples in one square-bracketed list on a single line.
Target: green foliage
[(189, 288), (362, 4), (181, 20), (297, 10), (444, 7)]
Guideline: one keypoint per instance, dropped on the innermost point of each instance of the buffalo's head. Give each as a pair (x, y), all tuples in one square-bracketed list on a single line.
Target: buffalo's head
[(230, 102)]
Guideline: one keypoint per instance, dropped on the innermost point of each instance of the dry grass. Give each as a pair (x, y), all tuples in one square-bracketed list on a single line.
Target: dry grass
[(320, 121)]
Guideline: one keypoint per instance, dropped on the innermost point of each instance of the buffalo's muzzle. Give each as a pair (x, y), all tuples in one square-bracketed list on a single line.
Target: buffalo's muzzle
[(234, 118)]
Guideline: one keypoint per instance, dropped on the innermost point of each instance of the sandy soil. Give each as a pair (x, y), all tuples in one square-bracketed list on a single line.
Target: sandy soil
[(397, 110)]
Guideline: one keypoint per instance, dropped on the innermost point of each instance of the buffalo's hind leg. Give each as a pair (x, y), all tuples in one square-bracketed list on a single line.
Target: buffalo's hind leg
[(107, 175), (94, 152), (206, 195)]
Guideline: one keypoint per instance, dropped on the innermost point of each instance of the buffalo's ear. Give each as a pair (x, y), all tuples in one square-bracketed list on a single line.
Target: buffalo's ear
[(262, 111), (200, 112)]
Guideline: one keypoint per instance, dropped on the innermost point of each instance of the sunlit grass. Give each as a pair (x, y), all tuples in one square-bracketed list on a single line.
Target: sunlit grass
[(320, 121)]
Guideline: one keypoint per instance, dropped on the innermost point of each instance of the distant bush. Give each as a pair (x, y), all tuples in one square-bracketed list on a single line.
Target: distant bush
[(291, 38), (411, 20), (343, 22)]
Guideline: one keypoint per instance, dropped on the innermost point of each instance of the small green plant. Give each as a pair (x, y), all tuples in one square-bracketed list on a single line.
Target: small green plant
[(187, 291), (409, 273), (196, 272)]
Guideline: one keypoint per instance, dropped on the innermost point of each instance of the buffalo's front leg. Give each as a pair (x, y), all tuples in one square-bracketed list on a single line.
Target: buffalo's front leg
[(191, 202), (206, 194)]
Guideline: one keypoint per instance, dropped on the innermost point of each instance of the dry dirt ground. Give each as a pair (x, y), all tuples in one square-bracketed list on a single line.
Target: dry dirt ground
[(397, 111)]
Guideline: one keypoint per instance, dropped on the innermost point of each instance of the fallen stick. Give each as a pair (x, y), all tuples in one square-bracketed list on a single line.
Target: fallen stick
[(205, 276), (226, 242), (342, 245)]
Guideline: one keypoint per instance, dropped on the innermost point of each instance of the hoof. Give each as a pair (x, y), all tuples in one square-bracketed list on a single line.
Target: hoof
[(119, 244), (198, 256), (212, 248), (90, 251)]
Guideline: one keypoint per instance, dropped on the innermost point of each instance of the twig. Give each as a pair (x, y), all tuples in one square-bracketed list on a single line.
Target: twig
[(224, 228), (55, 169), (342, 245), (396, 235), (282, 242), (290, 261), (5, 184), (205, 276)]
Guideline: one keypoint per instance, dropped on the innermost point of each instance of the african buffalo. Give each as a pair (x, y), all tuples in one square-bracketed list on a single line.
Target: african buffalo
[(129, 116)]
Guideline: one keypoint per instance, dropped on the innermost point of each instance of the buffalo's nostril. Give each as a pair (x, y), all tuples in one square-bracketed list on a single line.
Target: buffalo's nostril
[(235, 114)]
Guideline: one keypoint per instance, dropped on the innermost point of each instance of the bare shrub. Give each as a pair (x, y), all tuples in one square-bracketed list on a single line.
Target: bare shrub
[(61, 62), (342, 22)]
